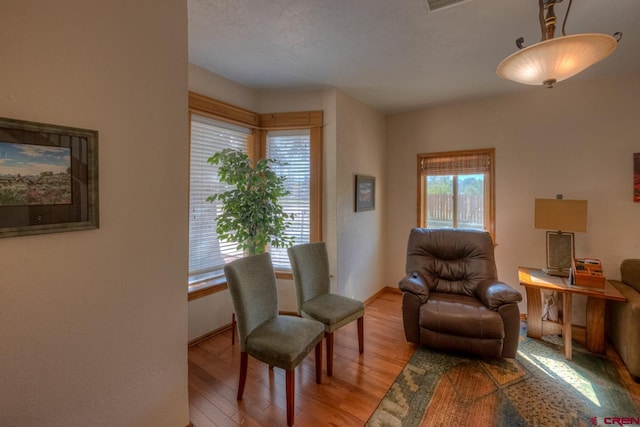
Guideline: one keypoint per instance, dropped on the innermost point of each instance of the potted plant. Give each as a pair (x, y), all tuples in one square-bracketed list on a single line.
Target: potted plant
[(251, 213)]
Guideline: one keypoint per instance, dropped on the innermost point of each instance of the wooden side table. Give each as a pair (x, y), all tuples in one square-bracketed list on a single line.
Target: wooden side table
[(534, 280)]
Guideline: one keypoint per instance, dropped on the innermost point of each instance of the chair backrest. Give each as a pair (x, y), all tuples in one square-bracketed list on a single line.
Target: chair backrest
[(310, 266), (252, 284), (451, 260), (630, 273)]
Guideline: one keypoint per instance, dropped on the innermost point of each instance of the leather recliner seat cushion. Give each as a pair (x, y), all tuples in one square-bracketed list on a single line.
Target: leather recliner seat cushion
[(460, 315)]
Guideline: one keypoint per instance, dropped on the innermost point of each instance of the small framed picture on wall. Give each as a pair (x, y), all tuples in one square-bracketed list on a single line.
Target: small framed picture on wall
[(48, 178), (365, 193)]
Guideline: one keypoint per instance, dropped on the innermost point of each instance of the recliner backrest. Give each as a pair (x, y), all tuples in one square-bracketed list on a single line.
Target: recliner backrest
[(451, 260)]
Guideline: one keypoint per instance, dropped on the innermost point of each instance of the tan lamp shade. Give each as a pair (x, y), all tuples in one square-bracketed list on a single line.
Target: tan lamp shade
[(561, 215), (556, 59)]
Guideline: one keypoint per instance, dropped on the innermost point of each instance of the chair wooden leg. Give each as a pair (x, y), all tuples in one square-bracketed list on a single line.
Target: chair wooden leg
[(290, 392), (319, 363), (244, 359), (234, 327), (329, 337), (361, 334)]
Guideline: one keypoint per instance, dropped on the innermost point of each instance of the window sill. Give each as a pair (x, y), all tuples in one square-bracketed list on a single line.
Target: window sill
[(206, 287), (284, 274), (218, 284)]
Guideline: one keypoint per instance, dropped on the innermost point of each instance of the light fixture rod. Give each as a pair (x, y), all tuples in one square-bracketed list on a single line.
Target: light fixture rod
[(549, 29), (566, 15)]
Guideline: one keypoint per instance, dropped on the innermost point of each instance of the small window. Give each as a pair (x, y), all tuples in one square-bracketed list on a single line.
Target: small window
[(456, 190)]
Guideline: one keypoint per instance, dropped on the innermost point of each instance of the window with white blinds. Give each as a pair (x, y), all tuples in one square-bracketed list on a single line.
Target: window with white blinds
[(293, 149), (207, 255)]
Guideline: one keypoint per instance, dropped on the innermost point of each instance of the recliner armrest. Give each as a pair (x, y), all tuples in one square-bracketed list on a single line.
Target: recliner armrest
[(495, 294), (415, 284)]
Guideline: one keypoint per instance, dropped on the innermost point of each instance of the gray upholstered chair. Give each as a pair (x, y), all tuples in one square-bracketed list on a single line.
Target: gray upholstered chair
[(280, 341), (310, 265)]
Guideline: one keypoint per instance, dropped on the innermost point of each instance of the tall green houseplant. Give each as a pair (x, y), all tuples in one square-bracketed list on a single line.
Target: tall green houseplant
[(251, 213)]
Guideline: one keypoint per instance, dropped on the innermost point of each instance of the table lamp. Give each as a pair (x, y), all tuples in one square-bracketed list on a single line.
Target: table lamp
[(565, 216)]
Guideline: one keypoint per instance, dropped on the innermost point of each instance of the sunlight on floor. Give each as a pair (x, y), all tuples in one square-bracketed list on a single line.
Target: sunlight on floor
[(562, 370)]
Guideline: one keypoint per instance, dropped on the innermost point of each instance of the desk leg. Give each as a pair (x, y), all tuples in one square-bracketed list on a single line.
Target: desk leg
[(566, 324), (595, 325), (534, 312)]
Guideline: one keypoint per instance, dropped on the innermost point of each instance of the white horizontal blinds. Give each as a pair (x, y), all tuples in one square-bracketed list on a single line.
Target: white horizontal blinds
[(207, 255), (464, 164), (293, 149)]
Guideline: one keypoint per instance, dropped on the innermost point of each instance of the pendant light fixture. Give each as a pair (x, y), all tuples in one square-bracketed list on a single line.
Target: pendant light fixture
[(554, 59)]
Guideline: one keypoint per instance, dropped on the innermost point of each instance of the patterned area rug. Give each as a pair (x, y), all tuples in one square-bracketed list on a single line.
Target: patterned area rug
[(537, 388)]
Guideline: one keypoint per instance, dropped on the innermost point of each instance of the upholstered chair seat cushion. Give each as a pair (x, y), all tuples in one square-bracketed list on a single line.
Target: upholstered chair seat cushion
[(460, 315), (333, 310), (283, 341)]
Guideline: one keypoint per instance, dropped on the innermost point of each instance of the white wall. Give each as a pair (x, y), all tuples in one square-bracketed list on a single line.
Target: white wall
[(206, 83), (576, 139), (273, 101), (214, 311), (360, 235), (94, 323), (354, 136)]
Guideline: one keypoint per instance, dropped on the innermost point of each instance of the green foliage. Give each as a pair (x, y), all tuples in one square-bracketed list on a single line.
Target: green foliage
[(440, 184), (467, 184), (472, 186), (251, 214)]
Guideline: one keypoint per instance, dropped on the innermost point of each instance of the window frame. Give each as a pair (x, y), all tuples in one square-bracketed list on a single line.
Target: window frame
[(489, 199), (260, 124)]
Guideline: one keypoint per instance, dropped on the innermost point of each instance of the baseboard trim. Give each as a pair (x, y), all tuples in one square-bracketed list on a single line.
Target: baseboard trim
[(380, 292), (210, 334)]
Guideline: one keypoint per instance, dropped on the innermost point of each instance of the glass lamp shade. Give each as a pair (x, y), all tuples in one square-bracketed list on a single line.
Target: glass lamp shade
[(556, 59)]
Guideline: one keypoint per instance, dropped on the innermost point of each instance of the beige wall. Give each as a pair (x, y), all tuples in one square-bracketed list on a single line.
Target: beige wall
[(214, 311), (94, 323), (360, 235), (212, 85), (576, 139), (353, 143)]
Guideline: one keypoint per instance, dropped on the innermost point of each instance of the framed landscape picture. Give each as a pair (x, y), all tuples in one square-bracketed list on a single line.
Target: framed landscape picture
[(636, 177), (48, 178), (365, 193)]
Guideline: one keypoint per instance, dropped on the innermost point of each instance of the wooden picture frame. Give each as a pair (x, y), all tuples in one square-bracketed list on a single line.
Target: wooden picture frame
[(560, 250), (365, 193), (48, 178)]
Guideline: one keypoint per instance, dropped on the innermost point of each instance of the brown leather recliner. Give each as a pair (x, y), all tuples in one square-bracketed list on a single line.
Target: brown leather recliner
[(452, 299)]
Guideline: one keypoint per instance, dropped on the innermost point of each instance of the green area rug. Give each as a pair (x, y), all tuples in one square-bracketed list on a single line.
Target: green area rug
[(537, 388)]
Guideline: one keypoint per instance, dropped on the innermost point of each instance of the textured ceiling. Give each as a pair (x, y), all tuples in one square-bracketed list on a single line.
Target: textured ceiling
[(392, 55)]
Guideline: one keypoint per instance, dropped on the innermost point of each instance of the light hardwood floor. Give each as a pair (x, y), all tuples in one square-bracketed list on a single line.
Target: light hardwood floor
[(347, 399)]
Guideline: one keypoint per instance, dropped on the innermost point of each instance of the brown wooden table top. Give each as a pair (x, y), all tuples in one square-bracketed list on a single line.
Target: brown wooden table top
[(536, 277)]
